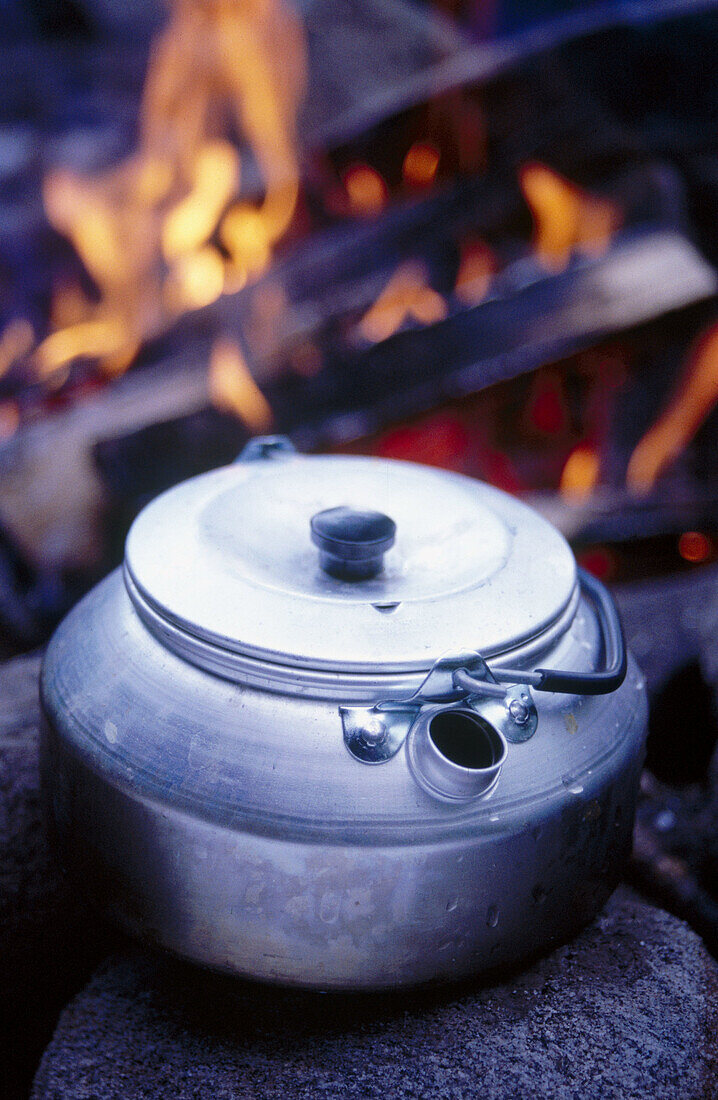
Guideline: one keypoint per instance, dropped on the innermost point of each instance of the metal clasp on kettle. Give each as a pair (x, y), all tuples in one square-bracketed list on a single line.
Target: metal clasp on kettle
[(375, 734), (500, 696)]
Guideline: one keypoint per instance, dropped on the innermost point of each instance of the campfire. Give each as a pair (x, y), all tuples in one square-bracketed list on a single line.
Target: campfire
[(453, 268), (163, 232)]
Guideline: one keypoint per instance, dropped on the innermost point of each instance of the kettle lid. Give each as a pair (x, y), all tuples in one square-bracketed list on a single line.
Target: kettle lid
[(346, 563)]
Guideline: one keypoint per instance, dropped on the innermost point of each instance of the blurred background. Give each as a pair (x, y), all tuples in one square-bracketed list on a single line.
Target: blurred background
[(478, 234)]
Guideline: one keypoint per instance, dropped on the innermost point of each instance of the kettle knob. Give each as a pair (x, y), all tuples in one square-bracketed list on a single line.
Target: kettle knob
[(352, 543)]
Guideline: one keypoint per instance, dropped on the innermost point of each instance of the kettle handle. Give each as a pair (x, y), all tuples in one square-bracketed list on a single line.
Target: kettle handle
[(609, 678), (375, 734)]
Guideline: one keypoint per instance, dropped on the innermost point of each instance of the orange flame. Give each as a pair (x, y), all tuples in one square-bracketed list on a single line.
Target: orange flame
[(580, 474), (421, 164), (566, 218), (693, 399), (233, 389), (366, 190), (91, 338), (165, 231), (195, 280), (407, 296), (215, 178), (476, 270)]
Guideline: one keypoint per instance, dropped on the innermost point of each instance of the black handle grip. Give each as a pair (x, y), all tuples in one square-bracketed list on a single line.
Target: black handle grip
[(613, 674)]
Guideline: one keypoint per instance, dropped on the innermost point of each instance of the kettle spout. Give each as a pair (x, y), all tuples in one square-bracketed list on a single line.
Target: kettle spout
[(455, 753)]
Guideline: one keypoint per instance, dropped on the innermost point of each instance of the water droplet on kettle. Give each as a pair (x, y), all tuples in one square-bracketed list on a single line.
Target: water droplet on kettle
[(571, 784), (451, 904), (492, 916)]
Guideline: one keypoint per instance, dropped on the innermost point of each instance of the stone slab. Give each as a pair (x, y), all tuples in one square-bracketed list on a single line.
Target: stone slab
[(628, 1009)]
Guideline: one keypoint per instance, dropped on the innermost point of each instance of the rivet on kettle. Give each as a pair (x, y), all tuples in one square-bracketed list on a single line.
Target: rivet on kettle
[(374, 732), (519, 712)]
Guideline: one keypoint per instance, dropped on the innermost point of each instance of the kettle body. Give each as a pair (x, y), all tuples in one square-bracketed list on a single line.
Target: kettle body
[(279, 763)]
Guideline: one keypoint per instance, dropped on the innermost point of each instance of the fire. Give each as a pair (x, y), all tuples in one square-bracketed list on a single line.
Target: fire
[(168, 230), (580, 474), (421, 164), (195, 280), (477, 268), (366, 190), (406, 297), (191, 223), (693, 399), (694, 546), (233, 389), (566, 218), (91, 338)]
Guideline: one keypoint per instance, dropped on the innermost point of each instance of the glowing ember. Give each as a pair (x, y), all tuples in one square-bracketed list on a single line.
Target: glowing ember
[(421, 164), (566, 218), (695, 396), (406, 297), (547, 409), (694, 546), (580, 474), (165, 231), (600, 561), (233, 389), (366, 190), (440, 440)]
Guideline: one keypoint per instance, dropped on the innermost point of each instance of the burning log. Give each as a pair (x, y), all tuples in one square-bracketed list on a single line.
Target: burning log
[(696, 393), (516, 329)]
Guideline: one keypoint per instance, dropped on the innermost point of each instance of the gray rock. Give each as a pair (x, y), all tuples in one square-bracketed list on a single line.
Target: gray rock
[(30, 884), (628, 1009), (670, 621), (49, 943)]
